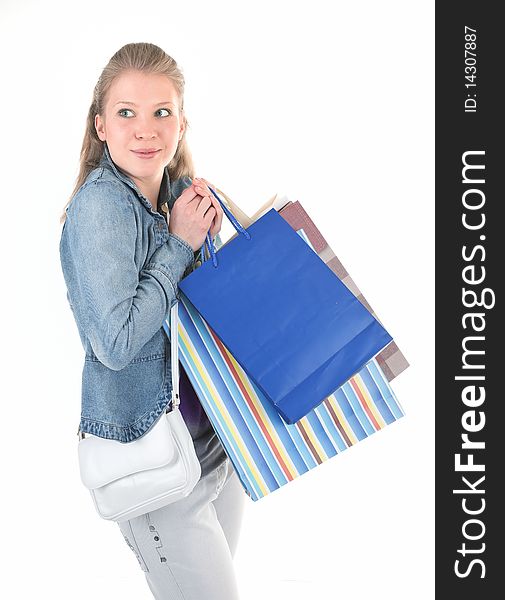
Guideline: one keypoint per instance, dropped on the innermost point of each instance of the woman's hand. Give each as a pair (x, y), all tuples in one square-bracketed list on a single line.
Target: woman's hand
[(194, 213), (203, 189)]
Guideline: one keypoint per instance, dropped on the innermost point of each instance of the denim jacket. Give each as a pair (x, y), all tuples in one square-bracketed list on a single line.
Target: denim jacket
[(122, 266)]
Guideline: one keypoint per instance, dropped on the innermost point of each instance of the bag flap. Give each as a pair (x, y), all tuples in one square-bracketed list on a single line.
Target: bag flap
[(102, 460)]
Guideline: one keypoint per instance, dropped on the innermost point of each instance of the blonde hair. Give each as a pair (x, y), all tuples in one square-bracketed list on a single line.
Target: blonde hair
[(147, 58)]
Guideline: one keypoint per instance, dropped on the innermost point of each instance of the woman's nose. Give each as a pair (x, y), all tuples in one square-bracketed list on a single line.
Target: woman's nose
[(146, 129), (145, 133)]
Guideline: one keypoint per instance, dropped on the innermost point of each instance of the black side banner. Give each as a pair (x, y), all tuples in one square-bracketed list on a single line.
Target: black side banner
[(469, 356)]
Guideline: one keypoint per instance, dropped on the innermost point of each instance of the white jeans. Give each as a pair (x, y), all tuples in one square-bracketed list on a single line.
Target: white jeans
[(186, 548)]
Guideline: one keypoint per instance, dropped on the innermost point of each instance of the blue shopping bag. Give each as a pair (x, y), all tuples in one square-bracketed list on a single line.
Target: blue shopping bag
[(287, 319)]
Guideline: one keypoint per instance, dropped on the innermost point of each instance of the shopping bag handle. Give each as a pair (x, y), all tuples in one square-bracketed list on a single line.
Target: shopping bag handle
[(208, 240), (238, 213)]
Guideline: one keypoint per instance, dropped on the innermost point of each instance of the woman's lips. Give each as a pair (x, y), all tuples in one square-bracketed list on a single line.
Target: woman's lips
[(145, 154)]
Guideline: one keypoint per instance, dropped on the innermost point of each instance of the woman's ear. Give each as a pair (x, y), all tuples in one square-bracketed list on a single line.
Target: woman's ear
[(99, 127), (182, 127)]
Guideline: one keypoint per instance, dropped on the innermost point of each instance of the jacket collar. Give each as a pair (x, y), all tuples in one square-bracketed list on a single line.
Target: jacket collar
[(164, 194)]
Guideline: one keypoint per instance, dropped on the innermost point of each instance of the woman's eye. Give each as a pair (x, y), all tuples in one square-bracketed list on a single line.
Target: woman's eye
[(122, 110)]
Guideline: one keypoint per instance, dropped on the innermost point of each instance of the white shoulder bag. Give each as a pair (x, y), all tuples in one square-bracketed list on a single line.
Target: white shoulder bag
[(129, 479)]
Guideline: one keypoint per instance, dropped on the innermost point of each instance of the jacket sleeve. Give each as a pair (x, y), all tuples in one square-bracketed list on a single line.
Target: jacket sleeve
[(117, 307)]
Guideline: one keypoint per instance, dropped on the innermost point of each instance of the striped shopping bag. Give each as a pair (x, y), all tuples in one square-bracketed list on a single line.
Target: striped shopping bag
[(265, 451)]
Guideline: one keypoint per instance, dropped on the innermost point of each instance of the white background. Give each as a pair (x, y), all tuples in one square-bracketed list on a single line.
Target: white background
[(331, 103)]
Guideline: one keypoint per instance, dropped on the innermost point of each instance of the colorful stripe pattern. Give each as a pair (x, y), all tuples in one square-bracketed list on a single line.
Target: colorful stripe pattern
[(265, 451)]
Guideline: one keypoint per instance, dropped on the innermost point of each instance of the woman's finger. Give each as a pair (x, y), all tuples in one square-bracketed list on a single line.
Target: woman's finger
[(207, 183), (220, 213), (205, 203), (202, 187), (205, 192), (189, 194), (218, 219)]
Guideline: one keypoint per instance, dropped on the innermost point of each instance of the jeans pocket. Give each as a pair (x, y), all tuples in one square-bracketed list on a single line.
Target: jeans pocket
[(127, 531)]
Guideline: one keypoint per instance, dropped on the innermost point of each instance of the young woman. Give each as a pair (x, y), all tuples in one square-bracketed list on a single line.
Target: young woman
[(122, 261)]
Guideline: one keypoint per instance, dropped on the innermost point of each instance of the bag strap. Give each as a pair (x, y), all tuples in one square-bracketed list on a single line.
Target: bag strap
[(174, 354), (238, 227), (244, 220), (240, 215)]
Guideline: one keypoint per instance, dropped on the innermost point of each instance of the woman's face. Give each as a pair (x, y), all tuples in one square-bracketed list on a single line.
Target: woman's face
[(142, 112)]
